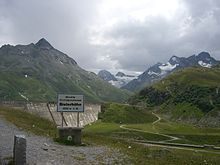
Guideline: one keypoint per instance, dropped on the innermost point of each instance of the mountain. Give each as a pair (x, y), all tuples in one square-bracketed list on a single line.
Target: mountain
[(106, 75), (191, 95), (119, 80), (37, 72), (120, 74), (161, 70)]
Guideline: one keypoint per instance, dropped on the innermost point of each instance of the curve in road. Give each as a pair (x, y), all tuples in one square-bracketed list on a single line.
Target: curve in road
[(172, 138)]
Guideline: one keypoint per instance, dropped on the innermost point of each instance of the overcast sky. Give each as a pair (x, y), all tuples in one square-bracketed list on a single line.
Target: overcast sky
[(125, 35)]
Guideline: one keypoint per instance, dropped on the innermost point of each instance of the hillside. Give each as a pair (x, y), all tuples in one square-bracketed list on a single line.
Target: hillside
[(37, 72), (119, 113), (191, 95)]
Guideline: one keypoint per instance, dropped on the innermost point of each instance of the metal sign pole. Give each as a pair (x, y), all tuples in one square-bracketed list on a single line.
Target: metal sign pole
[(77, 119), (62, 118)]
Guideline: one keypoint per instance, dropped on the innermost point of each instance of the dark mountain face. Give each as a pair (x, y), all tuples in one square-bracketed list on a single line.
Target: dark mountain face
[(120, 74), (106, 75), (39, 71), (43, 44), (160, 70)]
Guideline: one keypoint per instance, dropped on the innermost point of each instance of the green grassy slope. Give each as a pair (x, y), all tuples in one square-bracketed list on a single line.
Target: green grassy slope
[(36, 88), (118, 113), (188, 94)]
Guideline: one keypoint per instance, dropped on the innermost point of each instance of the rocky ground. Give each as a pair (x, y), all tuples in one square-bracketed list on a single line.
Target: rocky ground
[(43, 151)]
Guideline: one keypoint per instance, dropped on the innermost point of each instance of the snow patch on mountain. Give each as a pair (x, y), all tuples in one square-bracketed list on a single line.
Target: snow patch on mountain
[(118, 80), (153, 73), (168, 67), (203, 64)]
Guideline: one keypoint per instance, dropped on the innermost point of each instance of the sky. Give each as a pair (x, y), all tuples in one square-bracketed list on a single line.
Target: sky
[(116, 35)]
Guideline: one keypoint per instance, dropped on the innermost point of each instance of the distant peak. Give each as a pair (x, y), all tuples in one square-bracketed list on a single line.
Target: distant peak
[(43, 43), (120, 74), (204, 55)]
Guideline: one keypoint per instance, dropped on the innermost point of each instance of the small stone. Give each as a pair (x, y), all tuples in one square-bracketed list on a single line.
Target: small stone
[(129, 147), (46, 144)]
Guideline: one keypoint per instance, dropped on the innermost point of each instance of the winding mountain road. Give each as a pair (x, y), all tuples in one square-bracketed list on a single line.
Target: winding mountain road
[(172, 138), (164, 144)]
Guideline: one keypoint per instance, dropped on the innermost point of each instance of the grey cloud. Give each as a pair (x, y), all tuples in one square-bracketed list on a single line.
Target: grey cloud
[(132, 45), (158, 38), (63, 23), (148, 42)]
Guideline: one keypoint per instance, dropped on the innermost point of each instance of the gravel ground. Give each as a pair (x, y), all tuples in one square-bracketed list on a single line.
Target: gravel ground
[(43, 151)]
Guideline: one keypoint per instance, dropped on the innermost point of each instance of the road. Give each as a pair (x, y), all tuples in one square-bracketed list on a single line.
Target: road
[(172, 138), (164, 142)]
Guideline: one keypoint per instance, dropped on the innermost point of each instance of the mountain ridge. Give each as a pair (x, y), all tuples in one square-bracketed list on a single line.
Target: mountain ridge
[(161, 70), (39, 71)]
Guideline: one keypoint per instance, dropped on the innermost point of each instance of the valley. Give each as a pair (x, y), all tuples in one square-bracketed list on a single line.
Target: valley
[(171, 114)]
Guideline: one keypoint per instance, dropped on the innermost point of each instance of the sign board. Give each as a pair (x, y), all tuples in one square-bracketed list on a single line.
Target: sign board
[(70, 103)]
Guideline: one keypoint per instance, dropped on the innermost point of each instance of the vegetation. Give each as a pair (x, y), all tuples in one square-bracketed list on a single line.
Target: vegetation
[(40, 74), (110, 134), (29, 122), (118, 113), (185, 95)]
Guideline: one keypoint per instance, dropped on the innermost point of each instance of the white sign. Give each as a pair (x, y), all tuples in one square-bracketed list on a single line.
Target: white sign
[(70, 103)]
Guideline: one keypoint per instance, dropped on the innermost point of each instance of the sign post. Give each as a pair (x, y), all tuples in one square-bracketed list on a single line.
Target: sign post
[(70, 103)]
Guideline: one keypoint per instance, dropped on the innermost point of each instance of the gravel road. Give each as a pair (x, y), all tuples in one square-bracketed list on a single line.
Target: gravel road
[(43, 151)]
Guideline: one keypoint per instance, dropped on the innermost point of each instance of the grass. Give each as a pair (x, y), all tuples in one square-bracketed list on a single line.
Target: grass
[(139, 154), (193, 76), (44, 87), (125, 114), (187, 133), (29, 122)]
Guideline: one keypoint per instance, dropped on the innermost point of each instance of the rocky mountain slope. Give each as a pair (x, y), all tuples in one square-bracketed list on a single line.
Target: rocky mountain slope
[(161, 70), (39, 71), (118, 80), (106, 75), (189, 95)]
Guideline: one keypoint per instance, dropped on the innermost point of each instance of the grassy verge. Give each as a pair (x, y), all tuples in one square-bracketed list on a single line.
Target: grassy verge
[(29, 122)]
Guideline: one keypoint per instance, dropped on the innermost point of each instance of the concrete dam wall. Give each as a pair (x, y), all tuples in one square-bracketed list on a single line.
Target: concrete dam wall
[(49, 111)]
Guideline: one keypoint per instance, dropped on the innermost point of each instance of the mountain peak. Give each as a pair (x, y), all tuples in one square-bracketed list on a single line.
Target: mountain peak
[(120, 74), (174, 59), (106, 75), (204, 55), (43, 43)]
